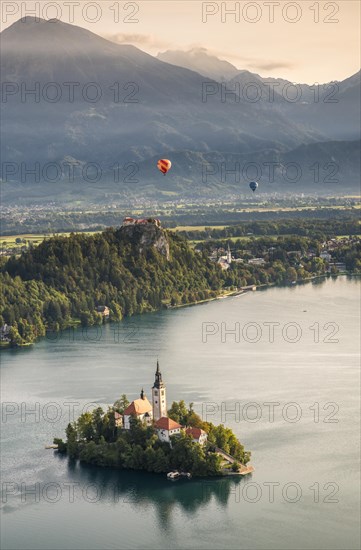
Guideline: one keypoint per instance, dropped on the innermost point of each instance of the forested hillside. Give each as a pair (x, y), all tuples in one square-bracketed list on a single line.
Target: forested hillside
[(65, 278), (135, 269)]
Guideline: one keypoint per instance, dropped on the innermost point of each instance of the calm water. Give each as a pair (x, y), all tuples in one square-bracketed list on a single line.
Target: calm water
[(307, 453)]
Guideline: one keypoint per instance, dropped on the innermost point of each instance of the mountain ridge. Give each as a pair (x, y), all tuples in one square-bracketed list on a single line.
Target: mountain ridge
[(147, 109)]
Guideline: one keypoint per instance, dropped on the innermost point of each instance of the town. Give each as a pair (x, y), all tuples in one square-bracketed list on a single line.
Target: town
[(225, 258)]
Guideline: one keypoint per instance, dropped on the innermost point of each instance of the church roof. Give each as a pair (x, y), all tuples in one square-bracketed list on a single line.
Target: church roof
[(165, 423), (195, 432), (138, 406)]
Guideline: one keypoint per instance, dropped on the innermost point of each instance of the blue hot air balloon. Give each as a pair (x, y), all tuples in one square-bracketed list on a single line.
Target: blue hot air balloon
[(253, 185)]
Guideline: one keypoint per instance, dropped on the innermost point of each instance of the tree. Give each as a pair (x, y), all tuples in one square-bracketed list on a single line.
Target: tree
[(178, 412), (115, 311), (71, 441), (121, 404), (86, 318), (61, 445), (14, 336), (52, 311), (97, 422), (291, 274), (161, 461), (85, 426)]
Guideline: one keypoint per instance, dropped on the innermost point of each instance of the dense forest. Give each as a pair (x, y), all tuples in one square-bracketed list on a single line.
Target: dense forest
[(95, 439), (64, 280)]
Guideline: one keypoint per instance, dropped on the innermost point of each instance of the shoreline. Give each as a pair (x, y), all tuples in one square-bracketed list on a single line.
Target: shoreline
[(226, 294), (263, 286), (244, 470)]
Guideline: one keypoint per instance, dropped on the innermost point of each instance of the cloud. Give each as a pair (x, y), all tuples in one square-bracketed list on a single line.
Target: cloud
[(253, 64), (271, 65), (144, 40), (155, 45)]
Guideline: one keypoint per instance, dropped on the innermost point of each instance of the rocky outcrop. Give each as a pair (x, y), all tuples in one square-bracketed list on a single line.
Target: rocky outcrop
[(147, 236)]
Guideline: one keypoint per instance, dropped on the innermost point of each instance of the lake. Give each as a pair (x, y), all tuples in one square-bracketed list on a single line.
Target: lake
[(280, 367)]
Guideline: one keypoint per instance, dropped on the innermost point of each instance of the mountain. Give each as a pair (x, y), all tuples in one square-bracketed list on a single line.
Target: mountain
[(281, 93), (80, 112), (159, 107), (52, 51), (199, 60), (331, 109)]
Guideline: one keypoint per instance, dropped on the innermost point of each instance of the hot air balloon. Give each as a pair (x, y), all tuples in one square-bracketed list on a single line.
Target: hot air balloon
[(164, 165), (253, 185)]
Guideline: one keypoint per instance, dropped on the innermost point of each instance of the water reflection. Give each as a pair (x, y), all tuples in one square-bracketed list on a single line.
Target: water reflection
[(141, 490)]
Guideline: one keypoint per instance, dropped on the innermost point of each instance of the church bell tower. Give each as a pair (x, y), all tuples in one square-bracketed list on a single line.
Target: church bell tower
[(159, 400), (229, 255)]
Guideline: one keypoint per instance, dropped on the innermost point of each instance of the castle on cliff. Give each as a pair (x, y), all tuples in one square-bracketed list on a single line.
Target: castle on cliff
[(141, 221)]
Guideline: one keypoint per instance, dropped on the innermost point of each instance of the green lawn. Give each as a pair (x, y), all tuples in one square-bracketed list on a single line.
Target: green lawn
[(9, 241)]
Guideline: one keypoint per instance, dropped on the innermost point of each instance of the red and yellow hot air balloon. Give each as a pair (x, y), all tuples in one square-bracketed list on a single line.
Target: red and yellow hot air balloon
[(164, 165)]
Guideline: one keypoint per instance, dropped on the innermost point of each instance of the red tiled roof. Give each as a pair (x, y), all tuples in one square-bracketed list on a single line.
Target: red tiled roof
[(195, 432), (165, 423), (139, 406)]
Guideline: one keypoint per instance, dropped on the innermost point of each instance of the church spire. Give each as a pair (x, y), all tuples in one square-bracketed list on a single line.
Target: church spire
[(158, 382), (229, 255)]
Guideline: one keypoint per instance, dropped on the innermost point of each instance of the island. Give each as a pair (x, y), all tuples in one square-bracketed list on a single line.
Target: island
[(144, 435)]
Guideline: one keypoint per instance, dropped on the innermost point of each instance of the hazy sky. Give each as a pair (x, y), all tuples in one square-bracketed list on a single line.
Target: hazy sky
[(304, 41)]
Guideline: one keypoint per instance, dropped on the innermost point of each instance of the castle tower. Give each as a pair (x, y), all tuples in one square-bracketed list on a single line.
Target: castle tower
[(159, 400)]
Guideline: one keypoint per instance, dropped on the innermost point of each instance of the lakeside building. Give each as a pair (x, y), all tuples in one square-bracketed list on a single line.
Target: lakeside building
[(118, 419), (103, 310), (338, 266), (225, 261), (5, 333), (257, 261), (197, 434), (166, 427)]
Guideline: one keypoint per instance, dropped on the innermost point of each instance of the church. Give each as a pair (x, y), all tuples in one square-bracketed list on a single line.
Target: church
[(155, 414)]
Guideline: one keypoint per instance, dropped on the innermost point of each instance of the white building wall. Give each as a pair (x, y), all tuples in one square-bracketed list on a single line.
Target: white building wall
[(126, 423), (159, 400), (165, 435)]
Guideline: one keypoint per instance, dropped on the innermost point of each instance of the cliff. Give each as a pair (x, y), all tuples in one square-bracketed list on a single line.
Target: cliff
[(145, 237)]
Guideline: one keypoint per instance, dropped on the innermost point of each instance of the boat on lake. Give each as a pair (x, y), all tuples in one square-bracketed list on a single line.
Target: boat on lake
[(177, 475), (173, 475)]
